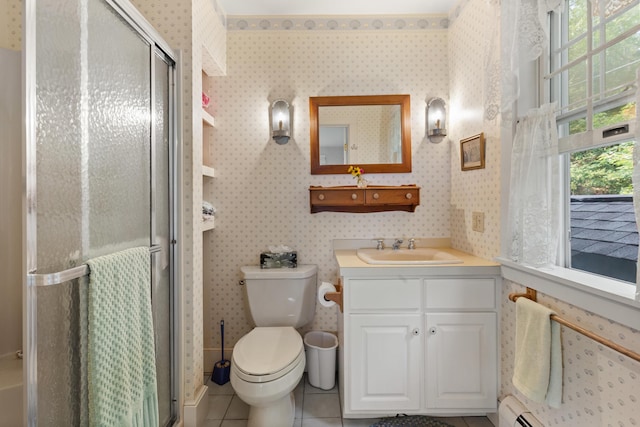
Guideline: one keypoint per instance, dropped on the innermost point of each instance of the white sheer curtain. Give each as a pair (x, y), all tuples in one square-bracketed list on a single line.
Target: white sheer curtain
[(636, 175), (535, 191), (525, 25)]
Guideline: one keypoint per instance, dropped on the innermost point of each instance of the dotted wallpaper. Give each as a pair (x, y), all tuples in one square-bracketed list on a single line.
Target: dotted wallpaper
[(261, 189), (11, 24), (600, 386), (474, 190), (189, 27)]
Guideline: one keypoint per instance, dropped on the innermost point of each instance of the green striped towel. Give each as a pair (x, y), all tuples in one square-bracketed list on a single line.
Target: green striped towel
[(121, 354)]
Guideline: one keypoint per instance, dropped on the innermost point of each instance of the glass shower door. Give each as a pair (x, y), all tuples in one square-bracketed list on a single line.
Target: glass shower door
[(98, 110)]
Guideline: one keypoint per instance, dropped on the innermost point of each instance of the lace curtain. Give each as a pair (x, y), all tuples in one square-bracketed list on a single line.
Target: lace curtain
[(534, 191), (534, 194), (525, 26)]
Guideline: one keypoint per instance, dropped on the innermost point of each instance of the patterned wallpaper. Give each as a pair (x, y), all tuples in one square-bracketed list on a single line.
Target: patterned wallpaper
[(189, 27), (11, 24), (475, 190), (261, 192), (601, 387)]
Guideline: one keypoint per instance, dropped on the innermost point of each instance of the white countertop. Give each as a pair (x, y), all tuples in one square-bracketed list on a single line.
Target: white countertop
[(351, 264)]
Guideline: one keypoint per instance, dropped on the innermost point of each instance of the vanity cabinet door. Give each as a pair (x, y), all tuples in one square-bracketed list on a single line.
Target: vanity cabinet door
[(385, 358), (461, 361)]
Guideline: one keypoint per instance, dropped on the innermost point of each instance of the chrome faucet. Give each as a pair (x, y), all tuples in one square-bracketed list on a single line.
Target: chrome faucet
[(380, 245), (396, 244), (412, 244)]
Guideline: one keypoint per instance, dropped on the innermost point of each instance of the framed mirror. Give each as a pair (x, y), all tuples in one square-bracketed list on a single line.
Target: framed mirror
[(373, 132)]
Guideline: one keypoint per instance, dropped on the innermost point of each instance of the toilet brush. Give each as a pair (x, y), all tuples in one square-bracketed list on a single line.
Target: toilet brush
[(222, 367)]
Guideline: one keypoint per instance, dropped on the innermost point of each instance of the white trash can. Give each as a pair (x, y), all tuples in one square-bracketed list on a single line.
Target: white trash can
[(321, 358)]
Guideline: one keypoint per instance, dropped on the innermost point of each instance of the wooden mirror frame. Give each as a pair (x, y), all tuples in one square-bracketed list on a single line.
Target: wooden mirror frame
[(328, 101)]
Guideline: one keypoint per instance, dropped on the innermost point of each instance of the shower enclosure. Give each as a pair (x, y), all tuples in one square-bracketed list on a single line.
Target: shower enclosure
[(100, 177)]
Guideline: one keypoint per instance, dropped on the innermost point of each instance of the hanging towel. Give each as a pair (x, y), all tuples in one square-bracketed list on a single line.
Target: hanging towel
[(121, 355), (538, 357)]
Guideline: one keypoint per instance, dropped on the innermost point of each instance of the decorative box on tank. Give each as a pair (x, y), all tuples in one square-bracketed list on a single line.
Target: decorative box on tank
[(279, 257)]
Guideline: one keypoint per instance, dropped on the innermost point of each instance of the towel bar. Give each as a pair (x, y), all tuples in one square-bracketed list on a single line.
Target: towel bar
[(532, 295), (59, 277)]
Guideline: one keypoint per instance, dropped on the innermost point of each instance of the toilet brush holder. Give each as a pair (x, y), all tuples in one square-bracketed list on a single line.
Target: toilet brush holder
[(222, 368)]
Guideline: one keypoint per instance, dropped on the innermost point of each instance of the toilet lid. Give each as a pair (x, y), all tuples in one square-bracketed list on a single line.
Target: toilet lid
[(267, 350)]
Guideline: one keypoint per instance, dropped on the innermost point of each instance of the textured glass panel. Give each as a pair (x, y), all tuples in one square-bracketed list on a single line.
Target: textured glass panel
[(59, 134), (118, 135), (162, 261), (93, 174), (59, 208), (59, 354)]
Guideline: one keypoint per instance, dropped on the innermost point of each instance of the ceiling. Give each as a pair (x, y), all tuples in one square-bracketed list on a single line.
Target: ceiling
[(336, 7)]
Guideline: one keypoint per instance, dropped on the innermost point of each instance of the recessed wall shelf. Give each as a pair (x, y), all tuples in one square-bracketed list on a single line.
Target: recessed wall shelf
[(208, 171), (208, 224), (208, 119), (209, 69), (361, 200)]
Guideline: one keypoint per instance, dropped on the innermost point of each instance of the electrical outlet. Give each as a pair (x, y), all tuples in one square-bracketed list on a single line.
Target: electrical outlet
[(477, 221)]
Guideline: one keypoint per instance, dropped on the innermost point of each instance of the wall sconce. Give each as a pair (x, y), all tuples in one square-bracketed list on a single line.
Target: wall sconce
[(436, 120), (280, 121)]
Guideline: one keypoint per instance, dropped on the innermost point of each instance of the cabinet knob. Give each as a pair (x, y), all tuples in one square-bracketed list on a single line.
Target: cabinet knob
[(408, 195), (416, 331), (376, 196), (354, 196), (432, 331), (320, 196)]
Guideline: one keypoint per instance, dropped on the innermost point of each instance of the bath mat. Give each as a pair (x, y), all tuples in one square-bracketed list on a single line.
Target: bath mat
[(410, 421)]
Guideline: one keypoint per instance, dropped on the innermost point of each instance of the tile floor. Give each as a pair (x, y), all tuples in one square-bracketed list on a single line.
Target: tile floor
[(314, 408)]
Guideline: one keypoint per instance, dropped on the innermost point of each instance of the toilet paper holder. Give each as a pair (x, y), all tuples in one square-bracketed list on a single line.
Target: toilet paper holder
[(335, 296)]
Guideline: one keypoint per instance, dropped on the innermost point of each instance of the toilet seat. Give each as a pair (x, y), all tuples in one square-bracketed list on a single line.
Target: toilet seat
[(267, 353)]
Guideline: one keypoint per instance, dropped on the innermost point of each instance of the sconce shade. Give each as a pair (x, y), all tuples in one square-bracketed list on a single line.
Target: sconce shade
[(280, 121), (436, 120)]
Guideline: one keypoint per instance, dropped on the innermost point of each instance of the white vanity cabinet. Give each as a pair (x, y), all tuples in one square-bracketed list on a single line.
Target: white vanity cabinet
[(419, 340), (386, 332), (461, 344)]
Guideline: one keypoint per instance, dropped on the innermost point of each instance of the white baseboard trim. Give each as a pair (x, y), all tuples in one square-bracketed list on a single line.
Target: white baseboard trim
[(493, 417), (195, 412)]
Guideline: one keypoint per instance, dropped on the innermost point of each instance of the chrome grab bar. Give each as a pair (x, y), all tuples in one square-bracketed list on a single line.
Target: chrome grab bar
[(50, 279)]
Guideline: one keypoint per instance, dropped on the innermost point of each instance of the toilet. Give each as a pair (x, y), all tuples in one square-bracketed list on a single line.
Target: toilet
[(268, 362)]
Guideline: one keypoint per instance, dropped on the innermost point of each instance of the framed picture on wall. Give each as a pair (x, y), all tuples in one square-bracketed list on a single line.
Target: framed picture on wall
[(472, 152)]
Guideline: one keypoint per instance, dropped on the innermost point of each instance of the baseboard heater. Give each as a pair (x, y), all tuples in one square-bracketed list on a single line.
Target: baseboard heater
[(512, 413)]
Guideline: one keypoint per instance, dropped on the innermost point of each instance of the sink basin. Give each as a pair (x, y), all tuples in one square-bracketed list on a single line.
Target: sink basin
[(419, 256)]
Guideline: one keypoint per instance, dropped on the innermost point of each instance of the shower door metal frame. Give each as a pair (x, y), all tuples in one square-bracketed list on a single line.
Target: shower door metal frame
[(32, 280)]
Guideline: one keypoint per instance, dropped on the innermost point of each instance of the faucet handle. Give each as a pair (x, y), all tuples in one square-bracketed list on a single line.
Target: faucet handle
[(412, 244), (380, 244)]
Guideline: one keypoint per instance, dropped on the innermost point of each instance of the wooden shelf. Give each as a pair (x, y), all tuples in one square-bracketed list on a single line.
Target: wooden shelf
[(208, 171), (209, 224), (362, 200), (208, 119)]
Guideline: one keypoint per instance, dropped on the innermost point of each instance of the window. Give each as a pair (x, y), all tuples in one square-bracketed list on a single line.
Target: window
[(591, 74)]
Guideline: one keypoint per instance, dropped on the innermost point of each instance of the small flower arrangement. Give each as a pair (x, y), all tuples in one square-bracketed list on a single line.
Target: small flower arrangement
[(356, 172)]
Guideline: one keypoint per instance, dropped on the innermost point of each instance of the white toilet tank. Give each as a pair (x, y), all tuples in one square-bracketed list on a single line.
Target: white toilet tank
[(281, 296)]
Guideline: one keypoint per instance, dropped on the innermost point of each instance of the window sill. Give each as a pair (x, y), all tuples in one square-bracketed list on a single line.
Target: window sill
[(611, 299)]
